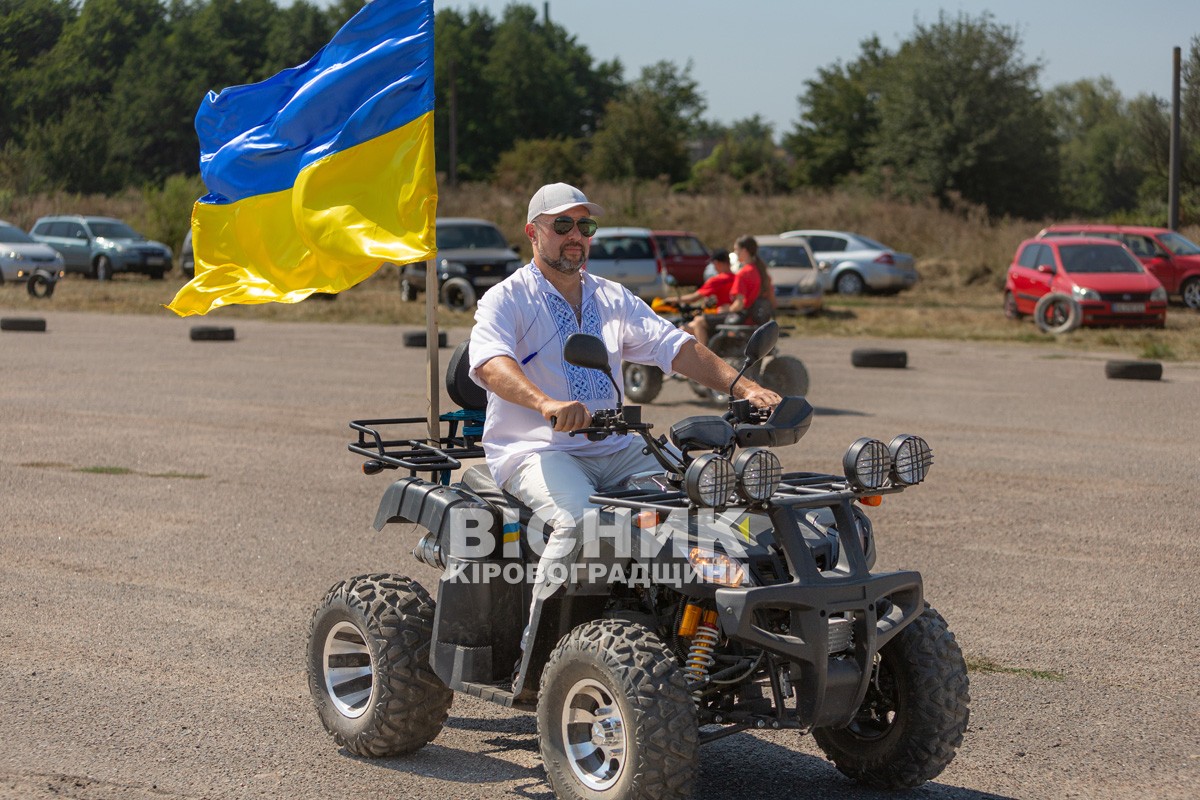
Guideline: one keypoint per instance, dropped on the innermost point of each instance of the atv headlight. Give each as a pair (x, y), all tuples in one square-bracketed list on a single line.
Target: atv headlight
[(911, 458), (758, 473), (709, 480), (867, 464), (714, 567)]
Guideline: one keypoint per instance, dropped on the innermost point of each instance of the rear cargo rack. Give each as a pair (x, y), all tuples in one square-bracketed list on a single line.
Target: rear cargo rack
[(397, 443)]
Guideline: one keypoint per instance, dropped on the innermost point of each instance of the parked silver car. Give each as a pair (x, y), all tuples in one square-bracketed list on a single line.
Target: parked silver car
[(851, 263), (21, 257), (99, 247), (629, 256)]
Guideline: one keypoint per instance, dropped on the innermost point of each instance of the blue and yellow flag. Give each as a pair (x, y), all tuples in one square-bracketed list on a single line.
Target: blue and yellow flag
[(318, 175)]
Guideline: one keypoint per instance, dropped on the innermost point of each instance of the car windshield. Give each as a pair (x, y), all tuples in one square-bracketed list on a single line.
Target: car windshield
[(469, 237), (784, 256), (114, 230), (1097, 258), (12, 235), (1179, 245)]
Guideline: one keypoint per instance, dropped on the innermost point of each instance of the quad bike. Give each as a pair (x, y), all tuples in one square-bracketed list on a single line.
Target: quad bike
[(785, 375), (779, 624)]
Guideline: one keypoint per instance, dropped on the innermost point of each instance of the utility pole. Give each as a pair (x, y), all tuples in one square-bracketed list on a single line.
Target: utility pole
[(1173, 180)]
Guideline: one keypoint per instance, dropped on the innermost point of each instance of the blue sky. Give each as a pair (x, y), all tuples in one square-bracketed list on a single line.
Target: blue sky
[(753, 56)]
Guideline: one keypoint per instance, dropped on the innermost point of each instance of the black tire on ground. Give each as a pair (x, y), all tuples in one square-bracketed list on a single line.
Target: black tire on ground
[(458, 294), (368, 666), (643, 382), (102, 268), (418, 338), (1057, 313), (850, 283), (1010, 307), (912, 720), (878, 358), (1134, 370), (34, 324), (1190, 292), (786, 376), (612, 682), (212, 333), (40, 285)]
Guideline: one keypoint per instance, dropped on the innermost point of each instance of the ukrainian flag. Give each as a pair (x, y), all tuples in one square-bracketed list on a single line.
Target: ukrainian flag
[(322, 172)]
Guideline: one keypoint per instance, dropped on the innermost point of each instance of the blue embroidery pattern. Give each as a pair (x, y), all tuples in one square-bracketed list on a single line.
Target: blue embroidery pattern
[(585, 384)]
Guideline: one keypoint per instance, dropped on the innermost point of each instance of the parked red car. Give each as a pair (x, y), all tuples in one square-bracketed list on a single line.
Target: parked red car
[(1101, 278), (1170, 257), (682, 255)]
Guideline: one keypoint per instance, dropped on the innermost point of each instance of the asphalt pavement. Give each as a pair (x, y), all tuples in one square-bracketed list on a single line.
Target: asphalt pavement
[(174, 510)]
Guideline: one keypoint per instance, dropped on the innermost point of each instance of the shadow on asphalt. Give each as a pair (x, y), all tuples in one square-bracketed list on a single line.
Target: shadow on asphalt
[(738, 766)]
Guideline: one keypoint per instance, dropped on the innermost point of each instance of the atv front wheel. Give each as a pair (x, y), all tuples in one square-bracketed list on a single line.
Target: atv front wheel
[(615, 719), (913, 717), (368, 666)]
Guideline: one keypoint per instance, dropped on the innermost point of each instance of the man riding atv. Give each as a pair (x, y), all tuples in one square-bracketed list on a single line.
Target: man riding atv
[(535, 399)]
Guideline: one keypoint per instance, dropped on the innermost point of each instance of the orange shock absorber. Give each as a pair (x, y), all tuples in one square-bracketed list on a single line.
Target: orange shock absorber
[(691, 618), (704, 641)]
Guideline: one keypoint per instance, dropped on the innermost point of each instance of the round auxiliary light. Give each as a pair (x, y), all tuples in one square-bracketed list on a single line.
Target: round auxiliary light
[(911, 458), (758, 473), (867, 463), (709, 480)]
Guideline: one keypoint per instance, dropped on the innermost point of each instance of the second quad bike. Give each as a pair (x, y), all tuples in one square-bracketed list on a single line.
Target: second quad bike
[(786, 375), (735, 597)]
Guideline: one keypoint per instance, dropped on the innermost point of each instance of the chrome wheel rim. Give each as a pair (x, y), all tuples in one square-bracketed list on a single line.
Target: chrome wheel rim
[(593, 732), (349, 673), (1191, 295)]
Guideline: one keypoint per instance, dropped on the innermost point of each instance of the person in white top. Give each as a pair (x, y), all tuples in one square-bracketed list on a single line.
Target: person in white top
[(516, 354)]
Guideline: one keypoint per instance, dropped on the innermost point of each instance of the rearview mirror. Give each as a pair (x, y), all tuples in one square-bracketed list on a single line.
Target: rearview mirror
[(585, 350), (762, 341)]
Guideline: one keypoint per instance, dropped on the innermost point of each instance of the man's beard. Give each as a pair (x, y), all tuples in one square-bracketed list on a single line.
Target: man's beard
[(563, 264)]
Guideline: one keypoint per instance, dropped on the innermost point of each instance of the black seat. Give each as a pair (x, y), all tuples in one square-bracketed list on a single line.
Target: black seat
[(466, 393)]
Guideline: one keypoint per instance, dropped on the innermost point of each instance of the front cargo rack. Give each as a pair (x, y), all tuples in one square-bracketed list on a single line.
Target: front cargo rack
[(385, 442), (799, 489)]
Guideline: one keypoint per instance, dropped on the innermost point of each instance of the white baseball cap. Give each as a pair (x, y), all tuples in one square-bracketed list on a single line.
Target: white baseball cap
[(555, 198)]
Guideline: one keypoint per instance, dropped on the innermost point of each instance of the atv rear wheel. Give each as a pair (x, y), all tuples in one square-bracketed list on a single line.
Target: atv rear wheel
[(615, 719), (368, 666), (913, 717)]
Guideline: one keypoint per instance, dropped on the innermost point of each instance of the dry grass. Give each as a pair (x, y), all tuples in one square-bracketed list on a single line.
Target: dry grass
[(927, 312), (961, 255)]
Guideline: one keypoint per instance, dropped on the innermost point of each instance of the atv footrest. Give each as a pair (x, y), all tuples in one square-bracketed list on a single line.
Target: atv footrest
[(494, 694)]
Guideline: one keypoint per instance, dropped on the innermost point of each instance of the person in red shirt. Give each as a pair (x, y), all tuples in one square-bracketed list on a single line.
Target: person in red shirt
[(716, 291), (749, 283)]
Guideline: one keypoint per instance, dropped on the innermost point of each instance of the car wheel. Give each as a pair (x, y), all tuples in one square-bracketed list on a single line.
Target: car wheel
[(914, 715), (1190, 291), (1057, 313), (418, 338), (615, 718), (368, 666), (102, 269), (156, 275), (1134, 370), (458, 294), (879, 359), (850, 283), (643, 382), (408, 289), (1010, 306), (40, 285)]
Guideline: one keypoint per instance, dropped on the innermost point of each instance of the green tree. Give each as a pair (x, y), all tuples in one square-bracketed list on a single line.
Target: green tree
[(961, 115), (1100, 169), (745, 152), (644, 132), (839, 118), (1152, 125)]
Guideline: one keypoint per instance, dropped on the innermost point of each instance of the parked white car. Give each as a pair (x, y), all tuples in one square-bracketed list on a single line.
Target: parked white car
[(22, 258), (851, 263), (630, 257)]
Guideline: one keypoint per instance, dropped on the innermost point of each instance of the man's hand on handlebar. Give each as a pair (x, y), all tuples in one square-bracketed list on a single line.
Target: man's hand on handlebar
[(760, 397), (566, 415)]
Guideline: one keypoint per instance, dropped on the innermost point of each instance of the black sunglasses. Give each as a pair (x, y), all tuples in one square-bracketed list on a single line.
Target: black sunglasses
[(562, 225)]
